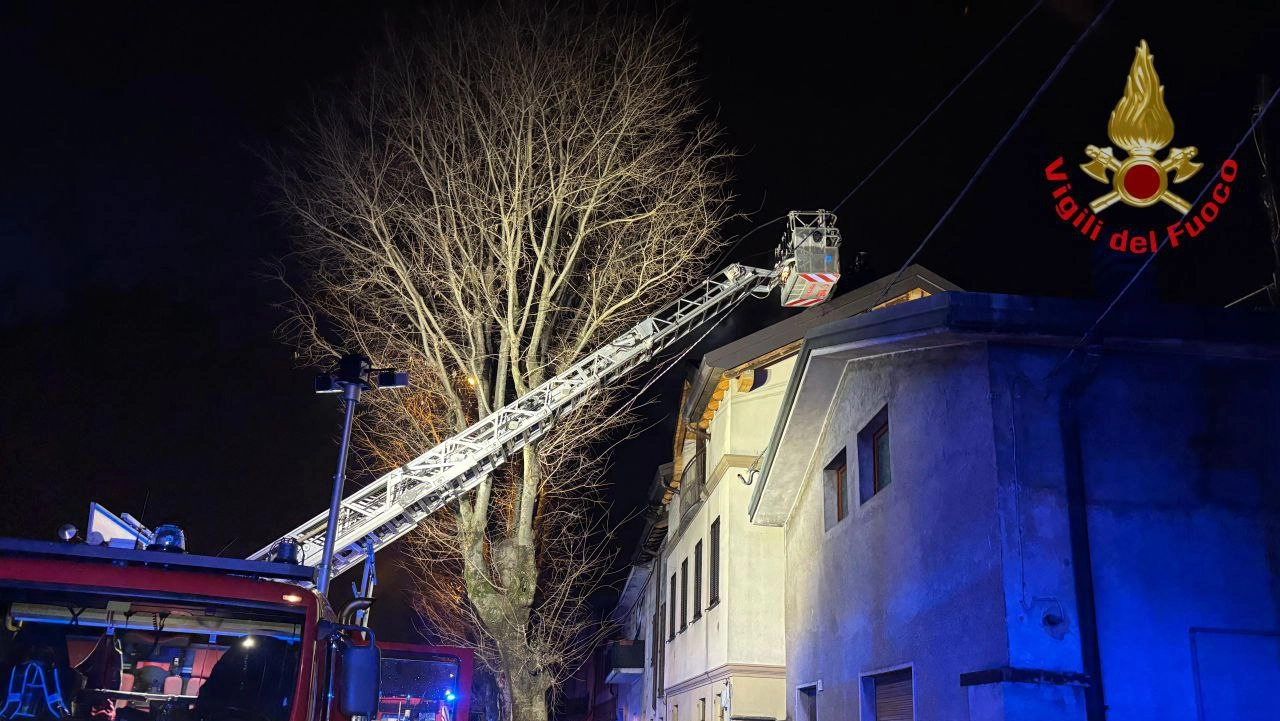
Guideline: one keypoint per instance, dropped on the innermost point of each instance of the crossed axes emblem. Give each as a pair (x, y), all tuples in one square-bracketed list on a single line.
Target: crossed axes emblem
[(1132, 179)]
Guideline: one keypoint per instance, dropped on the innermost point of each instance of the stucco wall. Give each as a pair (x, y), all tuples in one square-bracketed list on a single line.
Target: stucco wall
[(964, 563), (912, 576), (740, 639), (1183, 474), (1183, 515), (636, 697)]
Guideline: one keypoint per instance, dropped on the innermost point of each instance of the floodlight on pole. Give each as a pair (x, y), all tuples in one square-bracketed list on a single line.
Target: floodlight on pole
[(351, 377)]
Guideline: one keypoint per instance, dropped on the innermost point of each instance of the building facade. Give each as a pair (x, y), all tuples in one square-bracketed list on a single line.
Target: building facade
[(981, 523), (724, 655), (706, 591), (632, 660)]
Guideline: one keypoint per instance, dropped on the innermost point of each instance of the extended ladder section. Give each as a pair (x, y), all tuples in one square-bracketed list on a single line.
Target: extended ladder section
[(394, 504)]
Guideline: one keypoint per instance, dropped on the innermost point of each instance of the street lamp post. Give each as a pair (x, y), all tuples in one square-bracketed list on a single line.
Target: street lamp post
[(350, 378)]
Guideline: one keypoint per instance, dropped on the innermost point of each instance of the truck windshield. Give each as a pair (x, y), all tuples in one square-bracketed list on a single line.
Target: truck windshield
[(109, 657), (419, 689)]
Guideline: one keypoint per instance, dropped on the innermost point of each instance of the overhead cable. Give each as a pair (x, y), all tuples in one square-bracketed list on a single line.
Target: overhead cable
[(1151, 256), (995, 149), (1008, 34)]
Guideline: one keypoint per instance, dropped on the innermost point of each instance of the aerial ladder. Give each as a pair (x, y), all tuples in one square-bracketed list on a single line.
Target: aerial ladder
[(806, 268)]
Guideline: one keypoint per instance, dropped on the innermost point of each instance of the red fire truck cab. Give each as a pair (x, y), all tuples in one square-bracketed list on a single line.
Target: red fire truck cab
[(100, 633)]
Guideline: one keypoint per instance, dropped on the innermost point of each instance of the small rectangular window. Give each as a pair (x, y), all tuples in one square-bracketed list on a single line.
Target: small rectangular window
[(658, 688), (807, 702), (702, 709), (656, 630), (713, 582), (889, 696), (697, 581), (880, 452), (684, 594), (672, 625), (836, 483), (875, 472)]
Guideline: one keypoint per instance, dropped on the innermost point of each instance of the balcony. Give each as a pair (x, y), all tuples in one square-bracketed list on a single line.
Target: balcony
[(624, 661), (693, 486)]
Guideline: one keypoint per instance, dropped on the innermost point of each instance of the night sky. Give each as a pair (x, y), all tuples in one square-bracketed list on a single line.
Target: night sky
[(136, 323)]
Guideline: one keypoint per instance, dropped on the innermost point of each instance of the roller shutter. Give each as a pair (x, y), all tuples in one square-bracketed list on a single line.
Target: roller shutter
[(893, 696)]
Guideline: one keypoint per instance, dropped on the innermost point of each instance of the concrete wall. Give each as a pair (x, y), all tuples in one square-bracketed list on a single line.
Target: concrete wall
[(1183, 478), (1184, 508), (964, 563), (736, 648), (913, 575), (636, 700)]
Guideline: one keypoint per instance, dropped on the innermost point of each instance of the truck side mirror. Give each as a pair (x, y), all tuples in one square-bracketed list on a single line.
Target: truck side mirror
[(359, 673)]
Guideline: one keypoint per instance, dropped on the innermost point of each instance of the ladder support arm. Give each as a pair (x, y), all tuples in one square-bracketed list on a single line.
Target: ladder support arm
[(396, 503)]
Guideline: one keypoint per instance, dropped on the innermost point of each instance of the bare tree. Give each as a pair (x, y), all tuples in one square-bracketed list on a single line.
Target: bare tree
[(486, 204)]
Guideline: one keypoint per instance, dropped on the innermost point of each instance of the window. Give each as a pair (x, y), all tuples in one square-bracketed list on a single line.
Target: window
[(807, 702), (719, 710), (713, 584), (684, 594), (888, 696), (697, 581), (875, 472), (248, 655), (658, 688), (835, 478), (672, 624), (882, 474)]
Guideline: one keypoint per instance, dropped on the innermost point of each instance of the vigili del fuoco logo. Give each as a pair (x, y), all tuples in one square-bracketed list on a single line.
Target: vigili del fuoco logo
[(1141, 127)]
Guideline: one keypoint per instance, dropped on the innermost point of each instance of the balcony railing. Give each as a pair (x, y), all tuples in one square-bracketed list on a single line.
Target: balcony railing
[(693, 483)]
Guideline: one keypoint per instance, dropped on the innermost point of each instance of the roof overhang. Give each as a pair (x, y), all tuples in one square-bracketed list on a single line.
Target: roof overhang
[(704, 392), (782, 339), (632, 590), (963, 318)]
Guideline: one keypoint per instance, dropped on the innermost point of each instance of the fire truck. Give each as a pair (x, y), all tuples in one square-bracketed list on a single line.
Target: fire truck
[(125, 625)]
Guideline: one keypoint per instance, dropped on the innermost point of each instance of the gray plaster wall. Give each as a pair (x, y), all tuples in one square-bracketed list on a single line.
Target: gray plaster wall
[(1183, 482), (1182, 464), (965, 562), (913, 576)]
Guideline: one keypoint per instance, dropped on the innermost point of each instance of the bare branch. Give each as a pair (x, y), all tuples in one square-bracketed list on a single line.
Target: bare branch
[(483, 205)]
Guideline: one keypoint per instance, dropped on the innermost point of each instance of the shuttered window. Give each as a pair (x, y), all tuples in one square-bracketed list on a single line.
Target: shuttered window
[(658, 688), (893, 696), (713, 580), (671, 629), (684, 594), (697, 581)]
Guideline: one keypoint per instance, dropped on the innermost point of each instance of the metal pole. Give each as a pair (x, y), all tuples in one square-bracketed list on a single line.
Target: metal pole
[(350, 394)]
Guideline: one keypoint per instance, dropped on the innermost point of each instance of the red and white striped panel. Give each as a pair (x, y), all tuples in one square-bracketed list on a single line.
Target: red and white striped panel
[(817, 286), (803, 302)]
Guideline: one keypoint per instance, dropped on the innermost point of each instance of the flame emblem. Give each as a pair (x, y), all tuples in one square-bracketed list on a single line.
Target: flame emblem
[(1142, 126)]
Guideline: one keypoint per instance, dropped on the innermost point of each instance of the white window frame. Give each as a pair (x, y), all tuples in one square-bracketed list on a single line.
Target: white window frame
[(816, 686)]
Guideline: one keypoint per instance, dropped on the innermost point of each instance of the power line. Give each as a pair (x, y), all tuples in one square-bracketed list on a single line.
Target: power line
[(1110, 306), (938, 107), (906, 138), (744, 236), (999, 144), (1247, 297)]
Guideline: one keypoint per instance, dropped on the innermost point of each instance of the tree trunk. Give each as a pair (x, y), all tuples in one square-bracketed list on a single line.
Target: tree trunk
[(494, 199), (504, 612), (528, 695)]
